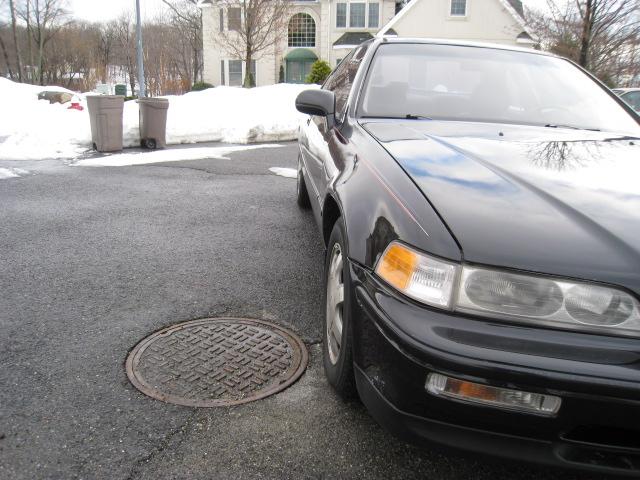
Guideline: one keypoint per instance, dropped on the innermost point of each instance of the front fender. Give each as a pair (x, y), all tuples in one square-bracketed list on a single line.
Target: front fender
[(379, 203)]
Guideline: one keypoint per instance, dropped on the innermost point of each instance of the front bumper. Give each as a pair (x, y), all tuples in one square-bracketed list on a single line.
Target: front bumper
[(398, 343)]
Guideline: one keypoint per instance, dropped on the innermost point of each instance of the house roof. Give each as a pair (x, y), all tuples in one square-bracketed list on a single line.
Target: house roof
[(517, 6), (514, 7), (352, 39)]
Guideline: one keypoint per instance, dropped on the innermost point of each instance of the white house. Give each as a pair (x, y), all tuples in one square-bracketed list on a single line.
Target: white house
[(329, 29), (318, 29), (489, 21)]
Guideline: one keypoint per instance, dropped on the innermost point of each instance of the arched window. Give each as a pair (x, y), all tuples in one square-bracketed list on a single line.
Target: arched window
[(302, 31)]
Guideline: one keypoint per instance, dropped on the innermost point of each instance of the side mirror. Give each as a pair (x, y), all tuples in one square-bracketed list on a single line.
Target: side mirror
[(321, 103)]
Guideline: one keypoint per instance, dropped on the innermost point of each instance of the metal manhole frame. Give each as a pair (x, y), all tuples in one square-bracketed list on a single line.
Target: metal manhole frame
[(299, 355)]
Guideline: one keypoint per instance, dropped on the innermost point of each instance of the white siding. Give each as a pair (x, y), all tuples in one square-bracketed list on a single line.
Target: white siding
[(485, 21)]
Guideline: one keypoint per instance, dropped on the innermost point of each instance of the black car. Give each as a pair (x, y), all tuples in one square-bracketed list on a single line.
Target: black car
[(480, 206)]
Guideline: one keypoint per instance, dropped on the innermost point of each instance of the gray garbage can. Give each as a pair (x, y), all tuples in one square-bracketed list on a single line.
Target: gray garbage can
[(153, 122), (105, 112)]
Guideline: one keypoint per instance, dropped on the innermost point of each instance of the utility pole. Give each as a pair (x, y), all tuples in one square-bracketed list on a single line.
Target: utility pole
[(142, 87)]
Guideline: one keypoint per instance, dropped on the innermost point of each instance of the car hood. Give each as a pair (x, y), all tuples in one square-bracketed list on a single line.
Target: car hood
[(555, 201)]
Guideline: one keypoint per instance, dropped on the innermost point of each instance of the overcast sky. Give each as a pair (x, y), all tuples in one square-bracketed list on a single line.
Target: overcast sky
[(95, 10), (107, 9)]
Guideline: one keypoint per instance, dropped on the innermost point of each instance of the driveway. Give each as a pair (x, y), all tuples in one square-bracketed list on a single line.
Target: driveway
[(93, 259)]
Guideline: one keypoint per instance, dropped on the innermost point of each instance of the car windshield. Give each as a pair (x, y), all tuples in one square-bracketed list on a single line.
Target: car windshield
[(487, 85)]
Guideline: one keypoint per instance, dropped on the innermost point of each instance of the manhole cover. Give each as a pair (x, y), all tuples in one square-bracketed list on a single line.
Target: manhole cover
[(217, 362)]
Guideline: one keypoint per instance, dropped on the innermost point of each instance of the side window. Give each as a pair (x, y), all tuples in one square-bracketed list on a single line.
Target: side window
[(633, 99), (341, 80)]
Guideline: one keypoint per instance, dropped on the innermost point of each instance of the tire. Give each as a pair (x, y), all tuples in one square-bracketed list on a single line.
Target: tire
[(302, 196), (150, 144), (338, 364)]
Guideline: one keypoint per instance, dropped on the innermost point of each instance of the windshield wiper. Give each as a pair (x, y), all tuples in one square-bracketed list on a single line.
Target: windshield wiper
[(411, 116), (572, 127)]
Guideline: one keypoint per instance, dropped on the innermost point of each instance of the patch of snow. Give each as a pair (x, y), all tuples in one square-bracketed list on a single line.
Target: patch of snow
[(285, 172), (12, 172), (34, 129), (170, 155)]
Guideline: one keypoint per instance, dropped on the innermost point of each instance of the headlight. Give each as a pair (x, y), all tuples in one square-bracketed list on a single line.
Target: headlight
[(417, 275), (497, 294), (505, 295)]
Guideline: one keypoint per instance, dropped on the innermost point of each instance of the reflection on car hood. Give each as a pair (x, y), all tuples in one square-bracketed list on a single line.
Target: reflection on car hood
[(556, 201)]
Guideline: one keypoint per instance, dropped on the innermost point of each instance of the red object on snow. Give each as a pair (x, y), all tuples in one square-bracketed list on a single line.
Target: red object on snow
[(76, 106)]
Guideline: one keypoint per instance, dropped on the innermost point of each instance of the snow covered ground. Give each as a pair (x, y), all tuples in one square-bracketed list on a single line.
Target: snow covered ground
[(170, 155), (12, 173), (33, 129), (284, 172)]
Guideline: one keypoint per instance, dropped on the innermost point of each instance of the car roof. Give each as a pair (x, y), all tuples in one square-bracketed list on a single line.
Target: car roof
[(459, 43)]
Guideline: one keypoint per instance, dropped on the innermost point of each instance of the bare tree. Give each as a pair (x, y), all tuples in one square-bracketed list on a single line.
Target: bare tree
[(3, 47), (125, 40), (600, 35), (16, 46), (186, 16), (253, 28), (44, 18), (105, 47)]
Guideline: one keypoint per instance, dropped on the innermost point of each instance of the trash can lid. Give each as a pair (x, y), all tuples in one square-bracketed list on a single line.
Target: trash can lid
[(154, 102)]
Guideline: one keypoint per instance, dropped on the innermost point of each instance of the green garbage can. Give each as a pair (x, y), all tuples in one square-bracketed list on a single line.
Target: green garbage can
[(153, 122), (105, 114)]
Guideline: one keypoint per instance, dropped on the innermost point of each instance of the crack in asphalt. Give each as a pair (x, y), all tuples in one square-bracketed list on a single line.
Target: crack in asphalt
[(240, 174), (162, 445)]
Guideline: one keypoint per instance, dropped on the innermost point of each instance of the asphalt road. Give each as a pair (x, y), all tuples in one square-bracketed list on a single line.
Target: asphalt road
[(94, 259)]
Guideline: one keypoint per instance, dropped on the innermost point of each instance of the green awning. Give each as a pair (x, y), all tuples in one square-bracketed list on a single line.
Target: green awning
[(301, 54)]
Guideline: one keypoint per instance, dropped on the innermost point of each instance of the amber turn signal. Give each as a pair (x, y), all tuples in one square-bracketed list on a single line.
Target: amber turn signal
[(418, 275)]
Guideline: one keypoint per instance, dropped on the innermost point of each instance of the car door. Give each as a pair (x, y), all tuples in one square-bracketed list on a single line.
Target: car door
[(320, 164)]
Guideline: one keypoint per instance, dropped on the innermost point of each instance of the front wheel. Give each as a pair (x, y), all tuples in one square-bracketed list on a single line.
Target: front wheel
[(338, 332)]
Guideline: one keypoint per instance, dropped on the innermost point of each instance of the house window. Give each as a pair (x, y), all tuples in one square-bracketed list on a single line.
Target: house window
[(235, 19), (374, 15), (235, 73), (341, 15), (222, 19), (223, 80), (302, 31), (458, 8), (357, 15)]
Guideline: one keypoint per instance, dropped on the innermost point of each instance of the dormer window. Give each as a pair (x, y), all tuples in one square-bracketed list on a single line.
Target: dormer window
[(458, 8)]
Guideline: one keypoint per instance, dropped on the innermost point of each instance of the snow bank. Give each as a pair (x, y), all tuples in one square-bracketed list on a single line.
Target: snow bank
[(284, 172), (12, 173), (33, 129), (170, 155)]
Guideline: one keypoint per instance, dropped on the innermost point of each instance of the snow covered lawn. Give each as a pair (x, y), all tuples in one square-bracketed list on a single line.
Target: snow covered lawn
[(33, 129)]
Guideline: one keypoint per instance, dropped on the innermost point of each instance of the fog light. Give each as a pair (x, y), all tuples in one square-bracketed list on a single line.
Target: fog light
[(533, 403)]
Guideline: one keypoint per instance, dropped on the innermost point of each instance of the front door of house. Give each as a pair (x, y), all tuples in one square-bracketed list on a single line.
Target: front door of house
[(298, 70)]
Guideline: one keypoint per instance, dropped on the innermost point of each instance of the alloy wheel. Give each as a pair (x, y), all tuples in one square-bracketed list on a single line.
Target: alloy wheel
[(335, 302)]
